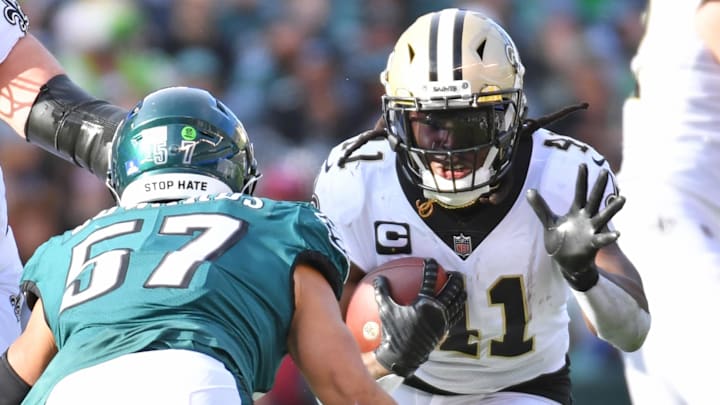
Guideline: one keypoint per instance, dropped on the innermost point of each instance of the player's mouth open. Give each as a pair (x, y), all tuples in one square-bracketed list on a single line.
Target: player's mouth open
[(455, 172)]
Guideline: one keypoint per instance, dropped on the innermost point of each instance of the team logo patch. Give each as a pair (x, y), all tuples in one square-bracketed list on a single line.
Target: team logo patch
[(511, 56), (462, 245), (14, 14)]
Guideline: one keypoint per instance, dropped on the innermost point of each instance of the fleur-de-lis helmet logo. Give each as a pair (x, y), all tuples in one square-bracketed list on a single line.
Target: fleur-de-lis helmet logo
[(14, 14)]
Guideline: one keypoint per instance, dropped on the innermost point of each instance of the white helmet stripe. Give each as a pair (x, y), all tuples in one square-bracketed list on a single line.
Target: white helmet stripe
[(444, 38)]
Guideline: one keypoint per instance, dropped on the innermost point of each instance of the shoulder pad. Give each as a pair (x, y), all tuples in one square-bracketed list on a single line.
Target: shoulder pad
[(556, 159), (340, 191)]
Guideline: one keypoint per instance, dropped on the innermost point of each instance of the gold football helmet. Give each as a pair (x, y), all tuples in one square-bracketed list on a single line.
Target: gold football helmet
[(454, 103)]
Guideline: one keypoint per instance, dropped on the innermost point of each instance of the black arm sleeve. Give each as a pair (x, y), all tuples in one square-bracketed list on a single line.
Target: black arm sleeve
[(69, 123), (12, 388), (321, 263)]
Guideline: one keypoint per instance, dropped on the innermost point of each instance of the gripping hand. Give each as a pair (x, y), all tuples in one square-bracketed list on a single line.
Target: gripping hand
[(411, 332), (573, 239)]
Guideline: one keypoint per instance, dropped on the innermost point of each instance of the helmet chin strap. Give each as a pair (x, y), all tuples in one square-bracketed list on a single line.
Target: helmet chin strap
[(456, 200)]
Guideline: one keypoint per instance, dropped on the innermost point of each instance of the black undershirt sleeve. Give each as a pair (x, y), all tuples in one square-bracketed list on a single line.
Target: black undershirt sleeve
[(12, 388)]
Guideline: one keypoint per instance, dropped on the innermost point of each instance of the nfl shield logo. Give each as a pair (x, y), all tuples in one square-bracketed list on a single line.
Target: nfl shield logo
[(462, 245)]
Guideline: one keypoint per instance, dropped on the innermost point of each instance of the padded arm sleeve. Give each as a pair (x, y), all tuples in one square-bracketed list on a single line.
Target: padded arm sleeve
[(69, 123), (615, 314)]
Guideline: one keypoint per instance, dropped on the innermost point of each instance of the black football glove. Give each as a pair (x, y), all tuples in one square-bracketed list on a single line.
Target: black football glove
[(573, 239), (411, 332)]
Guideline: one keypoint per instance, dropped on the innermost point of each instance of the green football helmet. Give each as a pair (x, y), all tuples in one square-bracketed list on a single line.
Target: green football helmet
[(180, 142)]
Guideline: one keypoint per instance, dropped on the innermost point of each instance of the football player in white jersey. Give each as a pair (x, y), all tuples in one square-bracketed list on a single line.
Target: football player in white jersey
[(40, 103), (671, 176), (455, 171)]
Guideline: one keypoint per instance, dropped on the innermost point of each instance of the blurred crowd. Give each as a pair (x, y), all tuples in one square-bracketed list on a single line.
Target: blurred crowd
[(303, 75)]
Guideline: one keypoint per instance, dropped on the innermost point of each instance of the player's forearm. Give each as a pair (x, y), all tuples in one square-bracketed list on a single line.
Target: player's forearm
[(28, 66), (341, 382), (73, 125), (366, 393), (617, 316)]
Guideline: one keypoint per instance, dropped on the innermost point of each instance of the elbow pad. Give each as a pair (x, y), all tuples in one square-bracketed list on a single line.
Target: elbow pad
[(69, 123)]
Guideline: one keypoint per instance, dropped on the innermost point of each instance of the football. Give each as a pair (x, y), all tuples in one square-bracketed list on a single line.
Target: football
[(405, 277)]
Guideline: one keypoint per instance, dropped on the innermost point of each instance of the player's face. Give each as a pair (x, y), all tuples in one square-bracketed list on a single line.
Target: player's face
[(461, 132)]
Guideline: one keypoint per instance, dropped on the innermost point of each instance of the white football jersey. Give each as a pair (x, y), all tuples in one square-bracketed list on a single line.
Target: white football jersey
[(13, 25), (670, 176), (10, 269), (516, 320), (677, 116)]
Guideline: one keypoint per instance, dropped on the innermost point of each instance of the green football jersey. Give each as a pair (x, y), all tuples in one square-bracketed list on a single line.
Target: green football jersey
[(212, 274)]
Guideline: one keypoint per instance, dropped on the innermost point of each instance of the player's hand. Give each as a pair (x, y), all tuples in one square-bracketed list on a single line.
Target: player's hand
[(411, 332), (574, 238)]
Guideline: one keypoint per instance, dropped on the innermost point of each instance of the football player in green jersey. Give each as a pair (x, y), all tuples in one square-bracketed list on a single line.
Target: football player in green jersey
[(190, 290)]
